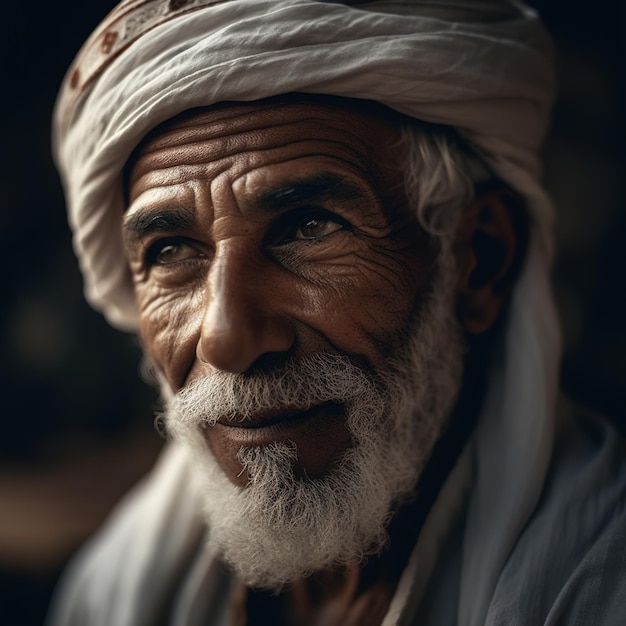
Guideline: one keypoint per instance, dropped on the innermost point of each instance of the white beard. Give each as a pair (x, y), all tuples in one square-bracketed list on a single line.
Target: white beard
[(283, 526)]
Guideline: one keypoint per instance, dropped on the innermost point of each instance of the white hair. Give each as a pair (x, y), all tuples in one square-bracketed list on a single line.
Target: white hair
[(440, 175)]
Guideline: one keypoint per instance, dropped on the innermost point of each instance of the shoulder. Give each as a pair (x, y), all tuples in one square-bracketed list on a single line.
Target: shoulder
[(124, 575), (569, 564)]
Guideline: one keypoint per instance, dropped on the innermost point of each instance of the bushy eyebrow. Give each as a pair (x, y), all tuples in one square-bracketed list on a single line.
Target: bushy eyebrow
[(318, 188), (145, 222)]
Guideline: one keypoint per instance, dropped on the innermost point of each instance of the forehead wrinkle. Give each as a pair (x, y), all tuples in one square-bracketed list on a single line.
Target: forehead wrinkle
[(205, 131), (210, 130), (238, 121), (253, 138), (213, 124), (171, 171), (249, 135), (162, 169), (176, 174)]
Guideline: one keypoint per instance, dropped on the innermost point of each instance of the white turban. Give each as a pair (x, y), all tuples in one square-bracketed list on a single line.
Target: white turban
[(481, 66)]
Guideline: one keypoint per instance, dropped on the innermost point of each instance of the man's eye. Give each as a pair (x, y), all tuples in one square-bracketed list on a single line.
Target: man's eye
[(310, 226), (168, 252), (316, 228)]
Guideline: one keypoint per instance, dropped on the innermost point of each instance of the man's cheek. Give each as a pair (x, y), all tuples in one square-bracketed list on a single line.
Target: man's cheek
[(169, 328), (376, 291)]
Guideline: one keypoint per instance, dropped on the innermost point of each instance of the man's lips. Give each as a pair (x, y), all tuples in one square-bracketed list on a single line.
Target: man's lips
[(276, 417)]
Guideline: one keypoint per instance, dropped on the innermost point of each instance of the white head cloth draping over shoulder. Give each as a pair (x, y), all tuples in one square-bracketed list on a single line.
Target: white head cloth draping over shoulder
[(481, 66)]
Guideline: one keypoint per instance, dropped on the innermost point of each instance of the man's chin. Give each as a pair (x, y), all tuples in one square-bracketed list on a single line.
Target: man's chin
[(282, 527)]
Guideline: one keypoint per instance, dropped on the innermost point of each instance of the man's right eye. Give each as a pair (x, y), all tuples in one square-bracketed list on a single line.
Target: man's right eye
[(171, 251)]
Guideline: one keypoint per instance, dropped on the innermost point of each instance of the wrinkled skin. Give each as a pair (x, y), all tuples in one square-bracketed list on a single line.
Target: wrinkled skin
[(258, 233)]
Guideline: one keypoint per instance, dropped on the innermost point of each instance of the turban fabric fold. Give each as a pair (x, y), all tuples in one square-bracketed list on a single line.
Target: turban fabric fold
[(481, 66)]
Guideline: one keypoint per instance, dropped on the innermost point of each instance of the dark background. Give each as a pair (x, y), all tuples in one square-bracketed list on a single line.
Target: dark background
[(76, 420)]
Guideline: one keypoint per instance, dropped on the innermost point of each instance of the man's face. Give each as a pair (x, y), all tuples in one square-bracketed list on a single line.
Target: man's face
[(292, 302), (261, 235)]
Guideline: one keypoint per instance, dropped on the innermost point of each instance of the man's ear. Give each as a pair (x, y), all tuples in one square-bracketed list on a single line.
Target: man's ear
[(490, 244)]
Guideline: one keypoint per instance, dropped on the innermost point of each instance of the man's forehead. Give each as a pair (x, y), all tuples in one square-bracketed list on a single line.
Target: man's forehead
[(356, 132)]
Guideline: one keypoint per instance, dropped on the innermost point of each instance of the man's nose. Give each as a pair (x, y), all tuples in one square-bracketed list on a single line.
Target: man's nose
[(242, 321)]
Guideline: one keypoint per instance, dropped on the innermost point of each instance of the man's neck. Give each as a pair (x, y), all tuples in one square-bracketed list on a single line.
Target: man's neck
[(333, 598)]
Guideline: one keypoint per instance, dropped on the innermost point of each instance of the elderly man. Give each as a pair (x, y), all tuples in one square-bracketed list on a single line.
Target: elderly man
[(324, 220)]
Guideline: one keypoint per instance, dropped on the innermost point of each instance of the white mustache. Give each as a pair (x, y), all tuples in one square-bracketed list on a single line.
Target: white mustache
[(297, 385)]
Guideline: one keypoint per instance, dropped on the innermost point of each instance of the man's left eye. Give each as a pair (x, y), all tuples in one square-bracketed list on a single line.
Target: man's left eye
[(316, 228), (306, 226)]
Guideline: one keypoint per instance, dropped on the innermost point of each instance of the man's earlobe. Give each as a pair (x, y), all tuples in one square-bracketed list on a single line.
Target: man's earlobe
[(489, 247)]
